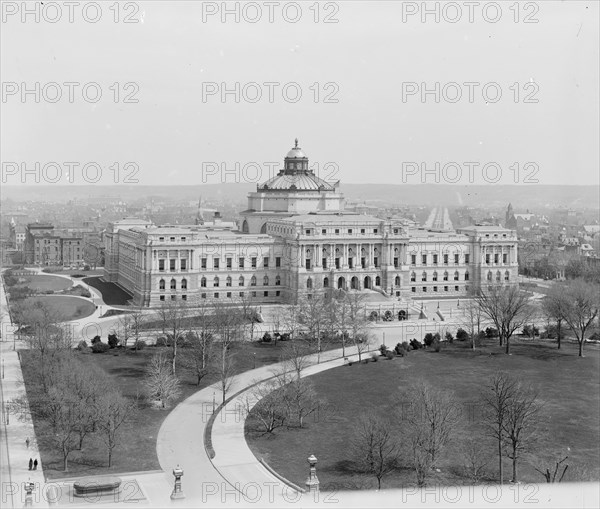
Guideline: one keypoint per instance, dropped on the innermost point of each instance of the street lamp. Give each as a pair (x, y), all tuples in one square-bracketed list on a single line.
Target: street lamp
[(177, 492), (254, 358), (312, 483)]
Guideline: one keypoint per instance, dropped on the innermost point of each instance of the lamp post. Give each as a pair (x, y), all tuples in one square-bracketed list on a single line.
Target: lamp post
[(177, 491), (312, 482), (254, 360)]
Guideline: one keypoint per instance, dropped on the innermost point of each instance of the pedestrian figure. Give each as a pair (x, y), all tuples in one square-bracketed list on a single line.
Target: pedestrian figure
[(27, 442), (30, 463), (35, 464)]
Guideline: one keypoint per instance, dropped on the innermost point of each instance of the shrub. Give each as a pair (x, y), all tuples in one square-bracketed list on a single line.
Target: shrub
[(140, 346), (163, 341), (383, 349), (373, 316), (398, 348), (406, 346), (530, 331), (96, 339), (490, 332), (415, 344), (462, 335), (389, 354), (428, 339), (82, 345), (267, 338), (284, 337), (113, 341), (10, 280), (449, 337), (100, 348), (437, 345), (375, 357)]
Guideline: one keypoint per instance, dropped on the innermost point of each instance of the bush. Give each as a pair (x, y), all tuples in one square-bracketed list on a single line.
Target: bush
[(415, 344), (375, 357), (490, 332), (383, 349), (437, 345), (10, 280), (449, 337), (140, 345), (100, 348), (530, 331), (389, 354), (96, 339), (163, 341), (406, 346), (284, 337), (267, 338), (428, 339), (462, 335), (373, 316), (399, 349), (113, 341), (82, 345)]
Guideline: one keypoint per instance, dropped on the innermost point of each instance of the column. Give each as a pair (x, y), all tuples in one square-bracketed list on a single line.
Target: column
[(318, 255), (302, 256)]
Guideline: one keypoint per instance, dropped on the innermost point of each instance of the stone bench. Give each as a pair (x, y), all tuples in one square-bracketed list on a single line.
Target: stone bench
[(97, 486)]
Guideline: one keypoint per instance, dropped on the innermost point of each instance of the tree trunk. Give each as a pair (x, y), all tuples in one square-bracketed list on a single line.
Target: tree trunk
[(109, 457), (581, 346), (558, 324), (500, 461), (507, 346), (514, 466)]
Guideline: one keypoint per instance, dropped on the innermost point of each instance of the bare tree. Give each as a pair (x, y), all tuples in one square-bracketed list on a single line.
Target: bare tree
[(250, 313), (581, 305), (160, 384), (507, 307), (554, 306), (173, 316), (199, 357), (130, 325), (300, 398), (471, 320), (374, 447), (291, 315), (227, 326), (475, 459), (312, 316), (265, 404), (551, 475), (114, 410), (295, 358), (357, 322)]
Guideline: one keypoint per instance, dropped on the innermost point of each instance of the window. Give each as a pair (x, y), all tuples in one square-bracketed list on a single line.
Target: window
[(413, 277), (253, 281), (424, 259), (216, 295), (445, 288), (324, 263), (266, 281), (413, 289), (161, 265), (161, 239), (397, 281), (162, 297), (376, 261), (161, 284), (278, 261), (203, 263), (184, 297), (323, 231), (337, 263), (467, 276), (253, 262), (266, 293), (326, 282), (266, 262), (395, 230), (456, 259), (396, 262), (489, 276), (184, 284), (350, 230), (309, 284), (172, 239), (375, 230), (425, 289), (456, 288), (413, 259), (498, 277), (216, 281), (216, 263), (277, 293), (203, 296), (445, 276), (467, 256), (173, 297), (229, 295), (377, 281), (506, 276), (277, 281), (496, 257), (203, 282), (183, 239), (435, 276), (487, 258), (183, 264), (504, 258), (362, 231), (241, 281), (307, 232), (350, 263), (363, 262), (241, 294), (424, 276), (337, 231), (173, 284), (308, 263), (435, 288), (456, 276), (241, 263), (254, 294), (172, 264), (229, 263), (228, 281)]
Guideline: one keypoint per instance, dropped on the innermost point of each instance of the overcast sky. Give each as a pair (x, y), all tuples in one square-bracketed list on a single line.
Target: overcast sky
[(371, 133)]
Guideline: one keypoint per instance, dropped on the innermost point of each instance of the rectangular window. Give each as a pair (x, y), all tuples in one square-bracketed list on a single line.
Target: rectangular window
[(466, 276), (445, 259), (203, 296), (216, 295), (229, 263), (229, 295), (456, 258), (435, 288), (467, 258), (307, 232), (278, 261), (160, 239), (337, 263), (350, 263), (203, 263), (337, 231), (456, 288), (216, 263), (435, 259), (277, 293), (396, 262), (496, 257), (425, 289), (266, 262), (413, 259), (376, 261), (362, 231), (172, 264), (266, 293), (253, 262), (183, 264), (241, 263), (161, 265), (413, 289), (173, 297), (424, 259), (228, 282), (323, 232), (487, 258), (172, 239), (183, 239), (445, 288), (308, 264), (363, 262), (375, 230), (162, 297), (241, 294), (324, 261), (350, 230), (254, 294), (184, 297)]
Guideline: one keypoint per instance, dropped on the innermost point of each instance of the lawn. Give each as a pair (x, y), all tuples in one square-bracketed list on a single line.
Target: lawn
[(44, 282), (137, 451), (568, 388), (68, 308), (111, 293)]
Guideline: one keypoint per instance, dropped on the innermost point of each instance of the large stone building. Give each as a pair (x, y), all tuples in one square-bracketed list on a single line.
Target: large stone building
[(295, 236)]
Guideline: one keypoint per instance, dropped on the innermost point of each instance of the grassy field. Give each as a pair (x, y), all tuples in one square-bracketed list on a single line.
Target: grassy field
[(43, 282), (111, 293), (68, 308), (138, 449), (568, 388)]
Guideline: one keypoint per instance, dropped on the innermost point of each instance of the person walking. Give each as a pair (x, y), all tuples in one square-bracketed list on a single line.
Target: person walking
[(30, 463), (27, 442), (35, 464)]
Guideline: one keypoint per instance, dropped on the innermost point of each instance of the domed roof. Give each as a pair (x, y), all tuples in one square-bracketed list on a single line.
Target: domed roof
[(298, 181), (296, 152)]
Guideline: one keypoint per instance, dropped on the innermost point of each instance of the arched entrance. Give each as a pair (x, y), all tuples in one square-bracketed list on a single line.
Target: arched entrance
[(341, 283), (354, 283), (368, 282)]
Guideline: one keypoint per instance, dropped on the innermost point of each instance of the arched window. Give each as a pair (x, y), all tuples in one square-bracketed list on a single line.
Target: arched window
[(377, 281), (424, 276), (435, 276), (489, 275), (498, 277), (266, 281), (456, 276), (216, 281), (245, 227), (173, 284), (228, 281), (161, 284), (241, 281), (413, 277), (277, 280), (253, 281), (397, 281), (263, 228), (184, 284), (203, 282), (446, 275), (467, 276), (309, 283), (326, 282), (506, 276)]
